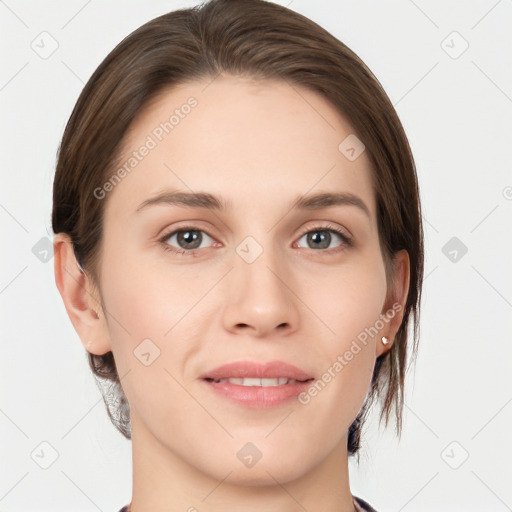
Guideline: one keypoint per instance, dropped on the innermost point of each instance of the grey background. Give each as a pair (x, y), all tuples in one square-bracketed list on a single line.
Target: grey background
[(456, 108)]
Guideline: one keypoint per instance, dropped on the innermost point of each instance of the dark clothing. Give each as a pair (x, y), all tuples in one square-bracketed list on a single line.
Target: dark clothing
[(361, 506)]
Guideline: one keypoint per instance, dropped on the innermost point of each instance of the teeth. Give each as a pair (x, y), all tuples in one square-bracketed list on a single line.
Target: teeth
[(251, 381)]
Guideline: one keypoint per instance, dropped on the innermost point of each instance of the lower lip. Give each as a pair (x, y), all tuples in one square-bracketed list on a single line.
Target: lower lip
[(258, 397)]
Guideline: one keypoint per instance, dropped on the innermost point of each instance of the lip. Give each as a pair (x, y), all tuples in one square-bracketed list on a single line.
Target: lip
[(257, 397), (269, 370)]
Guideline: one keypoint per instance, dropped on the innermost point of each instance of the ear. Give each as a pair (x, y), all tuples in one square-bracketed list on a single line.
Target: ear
[(80, 297), (394, 306)]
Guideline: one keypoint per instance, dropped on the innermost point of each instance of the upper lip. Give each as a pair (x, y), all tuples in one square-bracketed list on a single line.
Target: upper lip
[(271, 369)]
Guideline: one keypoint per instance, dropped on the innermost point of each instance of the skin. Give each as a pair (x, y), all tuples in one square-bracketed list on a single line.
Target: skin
[(258, 144)]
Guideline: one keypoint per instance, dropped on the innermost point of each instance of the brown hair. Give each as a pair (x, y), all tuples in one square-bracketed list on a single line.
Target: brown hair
[(261, 40)]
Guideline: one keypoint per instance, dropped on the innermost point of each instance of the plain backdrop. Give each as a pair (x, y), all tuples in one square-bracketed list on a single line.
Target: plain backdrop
[(446, 66)]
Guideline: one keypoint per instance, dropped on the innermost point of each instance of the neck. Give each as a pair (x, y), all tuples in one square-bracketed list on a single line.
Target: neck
[(162, 481)]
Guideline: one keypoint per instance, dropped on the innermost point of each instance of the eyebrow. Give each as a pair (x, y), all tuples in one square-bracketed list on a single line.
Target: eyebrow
[(316, 201)]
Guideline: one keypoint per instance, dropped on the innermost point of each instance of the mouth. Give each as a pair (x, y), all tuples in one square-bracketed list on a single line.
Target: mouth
[(255, 381), (256, 385), (258, 374)]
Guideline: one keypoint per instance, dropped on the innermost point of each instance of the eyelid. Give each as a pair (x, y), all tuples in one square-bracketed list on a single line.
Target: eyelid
[(195, 225), (326, 225)]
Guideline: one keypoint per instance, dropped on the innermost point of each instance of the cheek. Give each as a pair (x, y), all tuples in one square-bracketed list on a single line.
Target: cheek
[(148, 301), (348, 300), (350, 304), (152, 337), (154, 315)]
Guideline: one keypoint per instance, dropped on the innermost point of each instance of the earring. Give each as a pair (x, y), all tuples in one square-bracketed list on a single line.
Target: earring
[(385, 340)]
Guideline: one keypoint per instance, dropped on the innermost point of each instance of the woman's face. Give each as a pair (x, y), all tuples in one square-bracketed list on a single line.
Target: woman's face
[(258, 280)]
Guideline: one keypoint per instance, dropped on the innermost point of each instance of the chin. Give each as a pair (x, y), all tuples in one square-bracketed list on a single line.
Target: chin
[(265, 475), (266, 467)]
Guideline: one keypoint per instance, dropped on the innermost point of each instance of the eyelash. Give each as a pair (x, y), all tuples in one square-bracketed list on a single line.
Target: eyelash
[(347, 241)]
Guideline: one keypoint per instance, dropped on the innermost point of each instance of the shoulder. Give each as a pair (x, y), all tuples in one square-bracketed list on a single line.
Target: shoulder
[(361, 505)]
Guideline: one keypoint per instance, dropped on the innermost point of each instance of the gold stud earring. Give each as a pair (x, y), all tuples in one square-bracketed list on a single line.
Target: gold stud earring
[(385, 340)]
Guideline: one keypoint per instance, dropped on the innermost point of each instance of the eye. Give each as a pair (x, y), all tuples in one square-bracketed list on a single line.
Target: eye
[(188, 239), (321, 237)]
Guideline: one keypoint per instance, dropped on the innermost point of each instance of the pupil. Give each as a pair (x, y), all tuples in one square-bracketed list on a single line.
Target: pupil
[(321, 236), (189, 237)]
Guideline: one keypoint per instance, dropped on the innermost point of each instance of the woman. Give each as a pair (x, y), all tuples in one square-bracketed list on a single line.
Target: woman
[(238, 244)]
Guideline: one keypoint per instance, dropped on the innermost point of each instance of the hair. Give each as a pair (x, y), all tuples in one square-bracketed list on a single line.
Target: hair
[(260, 40)]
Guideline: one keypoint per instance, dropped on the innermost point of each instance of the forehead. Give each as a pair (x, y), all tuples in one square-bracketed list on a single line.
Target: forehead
[(252, 141)]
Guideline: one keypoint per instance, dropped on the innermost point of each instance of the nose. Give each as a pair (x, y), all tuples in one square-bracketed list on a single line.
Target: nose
[(260, 297)]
